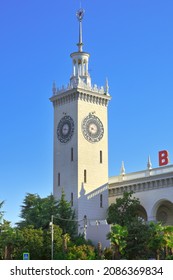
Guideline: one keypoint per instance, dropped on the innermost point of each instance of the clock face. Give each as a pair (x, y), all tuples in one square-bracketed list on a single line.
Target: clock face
[(65, 129), (92, 128)]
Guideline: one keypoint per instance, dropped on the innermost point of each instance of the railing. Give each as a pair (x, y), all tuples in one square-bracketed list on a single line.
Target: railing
[(141, 174), (82, 85)]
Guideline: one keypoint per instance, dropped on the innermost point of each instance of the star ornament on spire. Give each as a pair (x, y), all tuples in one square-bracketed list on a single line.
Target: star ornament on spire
[(80, 14)]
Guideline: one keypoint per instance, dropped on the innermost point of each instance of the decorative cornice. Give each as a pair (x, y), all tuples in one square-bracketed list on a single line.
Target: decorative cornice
[(80, 94), (116, 189)]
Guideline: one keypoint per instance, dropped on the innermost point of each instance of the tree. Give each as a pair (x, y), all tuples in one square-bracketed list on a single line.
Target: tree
[(65, 217), (30, 240), (37, 211), (1, 212), (124, 210), (15, 241), (7, 242), (156, 241), (118, 236), (81, 252), (137, 240), (168, 237), (57, 243)]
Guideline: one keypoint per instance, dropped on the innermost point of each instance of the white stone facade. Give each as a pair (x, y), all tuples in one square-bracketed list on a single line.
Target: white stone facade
[(81, 166), (153, 187)]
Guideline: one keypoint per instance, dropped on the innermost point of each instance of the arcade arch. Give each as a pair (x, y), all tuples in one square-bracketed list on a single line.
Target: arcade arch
[(142, 213), (163, 212)]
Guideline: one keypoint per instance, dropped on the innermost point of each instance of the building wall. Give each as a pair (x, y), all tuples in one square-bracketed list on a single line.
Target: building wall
[(89, 160), (154, 188), (62, 154), (86, 155)]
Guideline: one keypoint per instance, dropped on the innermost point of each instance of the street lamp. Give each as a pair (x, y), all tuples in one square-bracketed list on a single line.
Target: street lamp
[(52, 236)]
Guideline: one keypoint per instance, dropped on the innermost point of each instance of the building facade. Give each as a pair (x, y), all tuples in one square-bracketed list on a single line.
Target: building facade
[(153, 187), (81, 156), (81, 139)]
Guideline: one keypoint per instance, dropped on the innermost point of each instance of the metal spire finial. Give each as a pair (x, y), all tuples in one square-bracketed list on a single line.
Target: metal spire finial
[(149, 164), (122, 172), (80, 15), (107, 87)]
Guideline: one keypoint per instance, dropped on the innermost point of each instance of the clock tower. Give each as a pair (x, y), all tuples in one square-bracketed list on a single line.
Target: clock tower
[(81, 139)]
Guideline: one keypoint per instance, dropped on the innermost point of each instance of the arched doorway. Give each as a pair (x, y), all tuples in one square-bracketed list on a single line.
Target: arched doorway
[(164, 212)]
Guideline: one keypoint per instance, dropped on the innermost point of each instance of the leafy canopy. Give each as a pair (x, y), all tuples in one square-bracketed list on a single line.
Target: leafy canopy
[(124, 210), (1, 212), (37, 212)]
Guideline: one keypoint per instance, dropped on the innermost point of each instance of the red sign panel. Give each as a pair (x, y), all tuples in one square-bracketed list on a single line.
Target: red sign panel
[(163, 158)]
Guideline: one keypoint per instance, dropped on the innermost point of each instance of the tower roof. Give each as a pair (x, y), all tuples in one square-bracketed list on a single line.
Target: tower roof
[(80, 77)]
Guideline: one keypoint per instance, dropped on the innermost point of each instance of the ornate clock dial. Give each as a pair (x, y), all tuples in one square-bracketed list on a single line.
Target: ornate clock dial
[(92, 128), (65, 129)]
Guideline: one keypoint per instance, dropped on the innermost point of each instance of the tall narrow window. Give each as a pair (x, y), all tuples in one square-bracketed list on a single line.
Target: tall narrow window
[(85, 176), (71, 154), (101, 201), (59, 179), (101, 157), (71, 199)]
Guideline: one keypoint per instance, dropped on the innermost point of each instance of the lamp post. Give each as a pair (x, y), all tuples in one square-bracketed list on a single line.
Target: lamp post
[(52, 236)]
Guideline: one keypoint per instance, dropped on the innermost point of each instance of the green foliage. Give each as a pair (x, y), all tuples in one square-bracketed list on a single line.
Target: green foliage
[(57, 244), (37, 211), (80, 240), (33, 234), (161, 241), (132, 238), (168, 236), (7, 240), (118, 236), (81, 252), (65, 217), (78, 249), (143, 240), (137, 240), (30, 240), (124, 210), (1, 212), (156, 240), (108, 253), (14, 242)]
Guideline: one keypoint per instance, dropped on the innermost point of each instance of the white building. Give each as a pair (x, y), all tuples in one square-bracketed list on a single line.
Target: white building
[(153, 187), (81, 155), (81, 140)]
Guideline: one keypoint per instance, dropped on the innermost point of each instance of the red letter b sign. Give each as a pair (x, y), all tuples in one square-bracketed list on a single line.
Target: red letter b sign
[(163, 158)]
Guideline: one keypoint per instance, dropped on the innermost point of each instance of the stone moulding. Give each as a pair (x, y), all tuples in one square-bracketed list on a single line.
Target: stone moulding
[(71, 95), (140, 186)]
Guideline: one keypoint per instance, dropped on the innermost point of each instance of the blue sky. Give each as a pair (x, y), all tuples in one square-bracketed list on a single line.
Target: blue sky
[(130, 42)]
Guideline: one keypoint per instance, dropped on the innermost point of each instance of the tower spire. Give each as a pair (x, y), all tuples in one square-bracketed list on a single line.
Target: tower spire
[(149, 164), (80, 75), (80, 15), (122, 171)]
